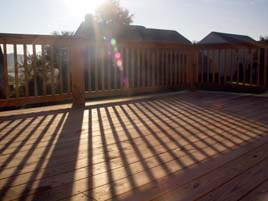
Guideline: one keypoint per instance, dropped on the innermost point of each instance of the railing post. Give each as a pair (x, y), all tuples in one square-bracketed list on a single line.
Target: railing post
[(78, 83)]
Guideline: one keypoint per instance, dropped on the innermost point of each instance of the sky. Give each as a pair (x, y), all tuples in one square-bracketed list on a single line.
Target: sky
[(192, 18)]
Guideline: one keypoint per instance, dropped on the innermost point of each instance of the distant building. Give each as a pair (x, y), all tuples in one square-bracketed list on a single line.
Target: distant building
[(227, 38), (89, 29)]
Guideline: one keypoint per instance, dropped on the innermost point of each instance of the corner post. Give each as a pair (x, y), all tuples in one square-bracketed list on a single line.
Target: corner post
[(78, 83)]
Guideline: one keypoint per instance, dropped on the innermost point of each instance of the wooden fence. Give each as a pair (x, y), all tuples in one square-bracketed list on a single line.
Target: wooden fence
[(42, 68)]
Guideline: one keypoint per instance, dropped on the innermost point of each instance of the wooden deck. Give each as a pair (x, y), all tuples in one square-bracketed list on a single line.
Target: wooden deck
[(182, 146)]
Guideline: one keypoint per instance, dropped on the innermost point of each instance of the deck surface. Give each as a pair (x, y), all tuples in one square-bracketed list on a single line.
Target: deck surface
[(182, 146)]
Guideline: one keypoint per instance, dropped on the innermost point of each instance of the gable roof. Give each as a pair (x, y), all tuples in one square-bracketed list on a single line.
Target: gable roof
[(134, 33), (218, 37)]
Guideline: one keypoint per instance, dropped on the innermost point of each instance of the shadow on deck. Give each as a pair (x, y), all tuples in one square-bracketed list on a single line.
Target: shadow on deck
[(188, 146)]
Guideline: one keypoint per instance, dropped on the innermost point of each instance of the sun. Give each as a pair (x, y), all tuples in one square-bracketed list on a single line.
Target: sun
[(82, 7)]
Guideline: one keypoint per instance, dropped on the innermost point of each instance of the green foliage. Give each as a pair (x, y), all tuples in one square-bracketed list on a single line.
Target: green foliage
[(112, 17)]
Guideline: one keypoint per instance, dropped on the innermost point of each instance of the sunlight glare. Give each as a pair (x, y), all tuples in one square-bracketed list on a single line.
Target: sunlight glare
[(82, 7)]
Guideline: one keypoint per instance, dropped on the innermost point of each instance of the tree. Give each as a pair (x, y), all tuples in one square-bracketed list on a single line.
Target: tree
[(112, 18), (264, 38)]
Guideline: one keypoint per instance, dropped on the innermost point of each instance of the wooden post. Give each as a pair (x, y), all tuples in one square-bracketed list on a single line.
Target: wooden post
[(78, 84)]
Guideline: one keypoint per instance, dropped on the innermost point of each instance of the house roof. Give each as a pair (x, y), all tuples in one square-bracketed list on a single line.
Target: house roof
[(134, 33), (218, 37)]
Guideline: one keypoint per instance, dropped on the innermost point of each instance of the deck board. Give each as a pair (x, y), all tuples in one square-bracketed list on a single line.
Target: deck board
[(179, 146)]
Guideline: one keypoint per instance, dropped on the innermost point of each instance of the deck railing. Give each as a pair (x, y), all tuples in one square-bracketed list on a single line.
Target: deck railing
[(42, 68), (231, 65)]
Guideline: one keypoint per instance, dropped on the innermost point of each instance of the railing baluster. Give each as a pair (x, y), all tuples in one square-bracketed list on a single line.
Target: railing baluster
[(265, 66), (171, 67), (35, 71), (109, 70), (225, 65), (25, 65), (202, 67), (238, 66), (208, 65), (89, 70), (52, 70), (231, 66), (143, 68), (44, 72), (175, 67), (158, 67), (162, 67), (167, 68), (60, 71), (96, 69), (122, 69), (126, 74), (251, 66), (102, 69), (258, 66), (213, 65), (153, 69), (16, 70), (69, 70), (148, 66), (138, 68), (219, 66), (196, 58), (244, 66), (132, 68)]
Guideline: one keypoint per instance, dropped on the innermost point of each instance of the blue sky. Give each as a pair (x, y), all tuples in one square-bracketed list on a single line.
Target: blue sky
[(192, 18)]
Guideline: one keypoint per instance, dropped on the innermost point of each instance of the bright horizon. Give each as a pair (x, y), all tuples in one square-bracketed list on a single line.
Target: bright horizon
[(193, 19)]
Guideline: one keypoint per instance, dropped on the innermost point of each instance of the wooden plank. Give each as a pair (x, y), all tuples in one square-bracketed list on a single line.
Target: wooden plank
[(26, 73), (44, 71), (16, 71), (35, 73), (258, 66), (259, 193), (53, 86), (239, 186), (60, 70)]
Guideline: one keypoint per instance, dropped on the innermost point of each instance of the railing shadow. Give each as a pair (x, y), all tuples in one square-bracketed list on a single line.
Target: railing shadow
[(135, 150)]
